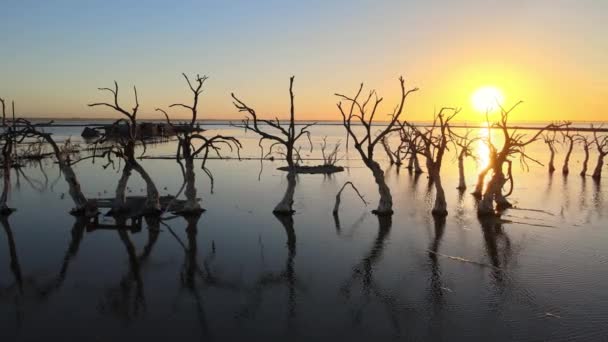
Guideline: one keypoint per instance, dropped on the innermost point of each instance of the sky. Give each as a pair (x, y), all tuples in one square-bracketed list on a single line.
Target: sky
[(552, 54)]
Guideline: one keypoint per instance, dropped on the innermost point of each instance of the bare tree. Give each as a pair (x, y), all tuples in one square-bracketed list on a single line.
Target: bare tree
[(586, 142), (331, 158), (435, 141), (3, 112), (569, 139), (412, 143), (279, 135), (188, 136), (514, 145), (365, 144), (549, 139), (6, 139), (82, 205), (464, 144), (124, 147), (601, 143)]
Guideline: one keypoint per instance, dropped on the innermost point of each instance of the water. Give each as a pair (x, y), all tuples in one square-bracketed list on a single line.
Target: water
[(240, 272)]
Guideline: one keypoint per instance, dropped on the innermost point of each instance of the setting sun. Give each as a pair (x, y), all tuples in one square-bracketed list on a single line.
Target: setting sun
[(487, 99)]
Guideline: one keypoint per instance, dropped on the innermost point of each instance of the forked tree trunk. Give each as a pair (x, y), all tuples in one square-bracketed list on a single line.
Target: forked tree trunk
[(152, 195), (285, 207), (493, 194), (585, 161), (440, 207), (597, 173), (385, 205), (461, 180), (566, 168)]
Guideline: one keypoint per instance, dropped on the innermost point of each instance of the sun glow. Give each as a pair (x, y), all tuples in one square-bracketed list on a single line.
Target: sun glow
[(487, 99)]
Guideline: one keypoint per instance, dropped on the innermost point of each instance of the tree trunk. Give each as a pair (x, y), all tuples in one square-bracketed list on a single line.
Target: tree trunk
[(493, 194), (461, 181), (417, 168), (597, 173), (440, 207), (192, 204), (566, 168), (152, 195), (120, 198), (285, 207), (385, 205), (478, 192), (586, 161), (4, 209), (551, 159)]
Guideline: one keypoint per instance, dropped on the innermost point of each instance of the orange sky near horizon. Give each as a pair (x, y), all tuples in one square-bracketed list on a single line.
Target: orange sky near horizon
[(550, 54)]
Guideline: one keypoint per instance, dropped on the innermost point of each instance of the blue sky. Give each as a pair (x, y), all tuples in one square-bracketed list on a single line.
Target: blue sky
[(54, 54)]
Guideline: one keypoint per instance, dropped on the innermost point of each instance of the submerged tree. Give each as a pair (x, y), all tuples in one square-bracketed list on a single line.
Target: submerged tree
[(7, 139), (190, 134), (586, 142), (601, 143), (82, 205), (435, 141), (464, 144), (514, 145), (549, 139), (280, 136), (123, 147), (366, 143), (569, 139), (413, 147), (3, 104)]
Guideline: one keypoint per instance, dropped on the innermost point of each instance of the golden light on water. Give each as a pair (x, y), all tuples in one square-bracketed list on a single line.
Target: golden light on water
[(487, 99), (483, 152)]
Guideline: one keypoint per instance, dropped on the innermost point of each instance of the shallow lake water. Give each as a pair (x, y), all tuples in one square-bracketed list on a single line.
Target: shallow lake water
[(239, 272)]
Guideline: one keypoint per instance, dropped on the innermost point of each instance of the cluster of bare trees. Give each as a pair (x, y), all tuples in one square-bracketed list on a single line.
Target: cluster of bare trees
[(495, 182)]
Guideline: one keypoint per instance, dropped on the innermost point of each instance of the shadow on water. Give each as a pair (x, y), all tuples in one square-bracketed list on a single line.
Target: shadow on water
[(362, 277), (286, 278)]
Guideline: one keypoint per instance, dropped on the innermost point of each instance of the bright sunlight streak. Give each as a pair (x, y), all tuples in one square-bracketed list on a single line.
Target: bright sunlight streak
[(487, 99)]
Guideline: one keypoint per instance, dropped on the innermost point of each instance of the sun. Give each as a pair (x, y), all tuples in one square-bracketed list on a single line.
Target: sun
[(487, 99)]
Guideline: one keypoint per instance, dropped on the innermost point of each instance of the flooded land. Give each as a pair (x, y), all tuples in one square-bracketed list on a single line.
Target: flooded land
[(538, 272)]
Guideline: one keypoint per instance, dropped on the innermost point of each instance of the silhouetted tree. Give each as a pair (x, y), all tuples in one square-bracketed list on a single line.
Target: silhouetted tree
[(366, 144), (190, 134), (123, 146), (549, 139), (586, 142), (601, 143), (464, 149), (286, 137), (435, 141), (569, 139), (514, 145)]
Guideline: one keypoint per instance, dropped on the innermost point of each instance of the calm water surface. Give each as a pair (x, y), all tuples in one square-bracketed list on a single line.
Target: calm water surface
[(239, 272)]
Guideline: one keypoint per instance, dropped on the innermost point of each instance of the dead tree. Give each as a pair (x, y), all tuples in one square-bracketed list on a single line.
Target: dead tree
[(6, 138), (435, 141), (331, 158), (3, 112), (569, 139), (586, 142), (123, 147), (366, 144), (601, 143), (82, 205), (279, 135), (413, 149), (464, 149), (514, 145), (549, 139), (190, 134)]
